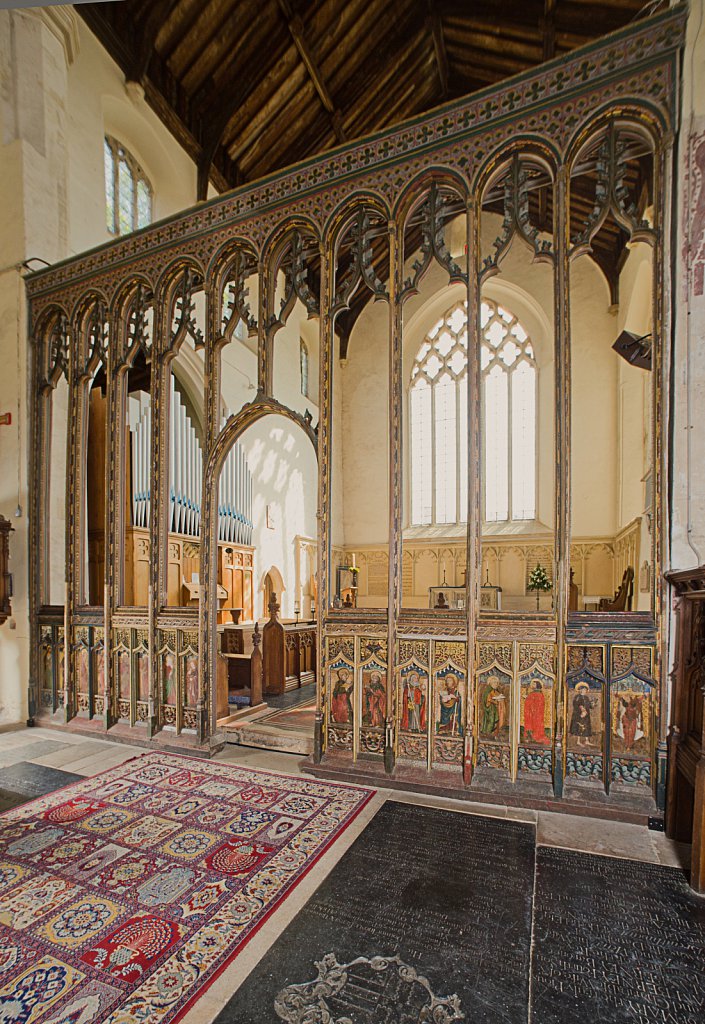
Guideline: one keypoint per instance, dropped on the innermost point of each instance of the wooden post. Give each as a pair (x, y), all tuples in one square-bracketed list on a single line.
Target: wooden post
[(273, 671), (256, 669), (685, 806)]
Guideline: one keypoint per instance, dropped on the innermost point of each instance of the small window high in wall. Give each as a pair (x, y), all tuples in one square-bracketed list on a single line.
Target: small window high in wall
[(128, 193)]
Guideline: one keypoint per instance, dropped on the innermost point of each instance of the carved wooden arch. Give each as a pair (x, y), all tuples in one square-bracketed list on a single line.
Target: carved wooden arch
[(226, 252), (48, 375), (92, 304), (208, 634), (639, 114), (166, 297), (121, 310), (341, 216), (648, 121), (169, 275), (529, 150), (424, 194), (539, 148), (46, 380), (285, 236), (415, 190), (611, 200), (221, 265)]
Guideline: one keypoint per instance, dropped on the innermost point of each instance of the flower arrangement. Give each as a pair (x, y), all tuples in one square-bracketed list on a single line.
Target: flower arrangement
[(539, 581)]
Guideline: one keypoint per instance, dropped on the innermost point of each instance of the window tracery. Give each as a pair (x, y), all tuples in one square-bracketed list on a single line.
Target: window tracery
[(128, 193), (438, 397)]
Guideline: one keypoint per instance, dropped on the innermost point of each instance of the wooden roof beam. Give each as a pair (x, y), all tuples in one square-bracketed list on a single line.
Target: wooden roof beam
[(182, 34), (548, 29), (372, 78), (260, 108), (439, 45), (296, 28), (147, 29), (229, 104)]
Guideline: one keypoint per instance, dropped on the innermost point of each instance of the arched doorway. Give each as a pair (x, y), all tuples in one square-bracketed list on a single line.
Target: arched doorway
[(283, 478), (272, 583)]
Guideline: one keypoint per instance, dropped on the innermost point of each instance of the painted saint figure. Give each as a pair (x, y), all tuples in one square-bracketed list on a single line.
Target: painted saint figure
[(124, 672), (450, 719), (83, 670), (169, 677), (143, 660), (414, 704), (100, 669), (48, 669), (374, 698), (581, 719), (534, 715), (192, 681), (493, 708), (341, 699), (630, 714)]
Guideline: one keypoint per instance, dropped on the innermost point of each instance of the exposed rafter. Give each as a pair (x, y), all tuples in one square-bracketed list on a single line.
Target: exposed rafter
[(439, 45), (250, 86), (548, 29), (296, 28)]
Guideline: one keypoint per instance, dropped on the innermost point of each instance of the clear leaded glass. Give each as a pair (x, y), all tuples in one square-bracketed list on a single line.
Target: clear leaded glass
[(128, 193), (439, 419)]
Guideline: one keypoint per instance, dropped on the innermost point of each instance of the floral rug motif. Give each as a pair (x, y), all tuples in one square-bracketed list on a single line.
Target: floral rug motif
[(122, 897)]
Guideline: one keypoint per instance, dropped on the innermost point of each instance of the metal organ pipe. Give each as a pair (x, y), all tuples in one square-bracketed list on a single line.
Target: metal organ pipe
[(186, 475), (139, 420), (185, 469), (235, 497)]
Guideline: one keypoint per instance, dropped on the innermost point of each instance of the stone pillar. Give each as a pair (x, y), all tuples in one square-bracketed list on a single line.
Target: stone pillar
[(685, 373), (688, 362), (37, 46)]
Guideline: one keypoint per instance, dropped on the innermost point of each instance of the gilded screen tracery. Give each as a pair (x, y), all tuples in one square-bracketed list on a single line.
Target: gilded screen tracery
[(512, 190)]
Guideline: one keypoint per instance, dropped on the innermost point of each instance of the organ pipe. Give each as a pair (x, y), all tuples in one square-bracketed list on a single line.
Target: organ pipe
[(140, 423), (186, 475), (235, 497)]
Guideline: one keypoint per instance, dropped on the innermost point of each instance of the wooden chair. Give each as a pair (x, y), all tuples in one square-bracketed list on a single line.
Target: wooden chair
[(622, 600), (572, 593)]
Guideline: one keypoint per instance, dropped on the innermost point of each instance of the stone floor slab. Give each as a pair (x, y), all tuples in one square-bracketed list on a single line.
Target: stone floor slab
[(447, 893), (615, 941), (33, 780)]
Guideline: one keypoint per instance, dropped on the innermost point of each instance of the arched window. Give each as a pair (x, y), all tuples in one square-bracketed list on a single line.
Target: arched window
[(303, 366), (438, 419), (128, 193)]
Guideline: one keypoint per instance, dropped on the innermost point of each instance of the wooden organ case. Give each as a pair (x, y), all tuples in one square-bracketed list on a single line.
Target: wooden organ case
[(235, 554), (685, 808)]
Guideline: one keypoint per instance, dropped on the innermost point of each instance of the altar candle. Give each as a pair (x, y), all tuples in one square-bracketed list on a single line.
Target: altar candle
[(353, 560)]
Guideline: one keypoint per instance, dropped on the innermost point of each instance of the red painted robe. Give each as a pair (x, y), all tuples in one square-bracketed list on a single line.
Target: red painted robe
[(414, 700), (534, 708)]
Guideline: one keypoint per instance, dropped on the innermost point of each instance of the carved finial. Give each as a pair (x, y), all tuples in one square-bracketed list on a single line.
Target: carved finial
[(273, 607), (256, 636)]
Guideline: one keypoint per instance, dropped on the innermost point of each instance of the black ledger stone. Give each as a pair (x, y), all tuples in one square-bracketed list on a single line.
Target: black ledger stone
[(448, 893), (615, 941), (25, 781)]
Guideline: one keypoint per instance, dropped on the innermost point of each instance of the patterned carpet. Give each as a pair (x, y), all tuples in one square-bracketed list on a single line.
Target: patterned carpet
[(122, 897)]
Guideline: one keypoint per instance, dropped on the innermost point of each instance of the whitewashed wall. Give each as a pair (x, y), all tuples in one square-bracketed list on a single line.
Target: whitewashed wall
[(60, 94)]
